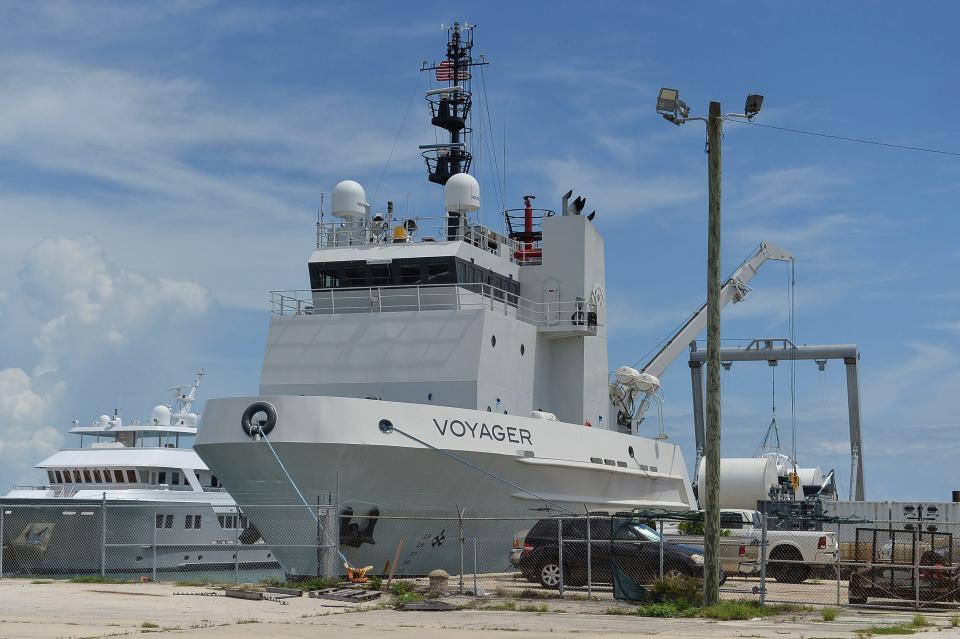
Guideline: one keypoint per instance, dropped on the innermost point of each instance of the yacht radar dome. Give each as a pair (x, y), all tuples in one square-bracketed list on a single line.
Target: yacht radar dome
[(461, 194), (349, 200), (160, 415)]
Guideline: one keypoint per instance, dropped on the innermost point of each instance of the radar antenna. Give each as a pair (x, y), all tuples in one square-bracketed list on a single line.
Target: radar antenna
[(450, 105)]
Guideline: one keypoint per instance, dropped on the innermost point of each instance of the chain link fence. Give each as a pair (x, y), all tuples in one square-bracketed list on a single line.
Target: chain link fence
[(635, 556)]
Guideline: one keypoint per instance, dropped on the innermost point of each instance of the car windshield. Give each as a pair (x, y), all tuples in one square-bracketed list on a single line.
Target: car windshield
[(640, 532)]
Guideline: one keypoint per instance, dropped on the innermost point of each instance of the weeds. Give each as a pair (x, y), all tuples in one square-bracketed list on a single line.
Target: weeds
[(97, 579), (402, 587), (149, 624), (955, 621), (723, 611), (829, 614)]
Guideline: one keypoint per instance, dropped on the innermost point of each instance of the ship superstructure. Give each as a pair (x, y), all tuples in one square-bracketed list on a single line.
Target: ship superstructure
[(436, 364)]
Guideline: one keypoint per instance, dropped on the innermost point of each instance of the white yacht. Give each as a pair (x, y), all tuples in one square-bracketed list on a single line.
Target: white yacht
[(436, 364), (165, 510)]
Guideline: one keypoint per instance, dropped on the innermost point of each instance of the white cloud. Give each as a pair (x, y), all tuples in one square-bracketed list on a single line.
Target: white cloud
[(28, 438), (85, 303)]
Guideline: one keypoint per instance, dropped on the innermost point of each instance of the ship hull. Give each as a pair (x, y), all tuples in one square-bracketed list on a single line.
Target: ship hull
[(399, 493), (70, 537)]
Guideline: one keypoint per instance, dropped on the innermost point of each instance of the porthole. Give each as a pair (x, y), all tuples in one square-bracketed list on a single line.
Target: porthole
[(488, 410), (522, 350), (429, 397), (630, 450), (493, 341), (139, 558), (186, 557)]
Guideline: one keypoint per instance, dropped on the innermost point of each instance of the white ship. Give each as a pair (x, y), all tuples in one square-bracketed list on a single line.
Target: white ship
[(165, 510), (434, 365)]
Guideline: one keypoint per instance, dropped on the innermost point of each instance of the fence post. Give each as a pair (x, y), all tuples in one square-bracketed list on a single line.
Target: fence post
[(560, 551), (916, 563), (763, 559), (2, 545), (460, 541), (103, 536), (661, 548), (236, 543), (476, 593), (589, 557), (153, 547), (839, 546)]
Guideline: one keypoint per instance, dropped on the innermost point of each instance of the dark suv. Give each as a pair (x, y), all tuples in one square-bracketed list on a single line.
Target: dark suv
[(626, 543)]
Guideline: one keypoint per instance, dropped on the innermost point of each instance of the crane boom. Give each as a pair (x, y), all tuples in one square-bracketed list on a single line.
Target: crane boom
[(647, 381), (734, 290)]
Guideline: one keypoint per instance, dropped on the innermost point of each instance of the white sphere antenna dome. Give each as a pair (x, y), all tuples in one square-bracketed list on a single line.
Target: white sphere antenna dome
[(461, 194), (349, 200), (193, 420), (160, 415)]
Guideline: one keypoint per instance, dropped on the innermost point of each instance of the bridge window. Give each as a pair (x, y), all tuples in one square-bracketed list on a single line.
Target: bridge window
[(76, 477), (118, 475), (58, 476), (132, 476), (86, 477), (96, 476)]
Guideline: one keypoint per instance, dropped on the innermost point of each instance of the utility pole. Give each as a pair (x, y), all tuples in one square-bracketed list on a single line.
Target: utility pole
[(676, 111), (711, 481)]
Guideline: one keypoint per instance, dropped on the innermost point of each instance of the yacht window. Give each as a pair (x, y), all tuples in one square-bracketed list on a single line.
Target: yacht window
[(66, 477), (188, 521), (97, 477), (86, 477), (162, 477), (410, 274), (132, 476), (76, 477), (51, 477), (196, 521), (59, 476), (354, 276), (169, 522), (107, 478), (175, 478), (214, 482), (118, 475), (159, 521), (438, 273), (380, 275), (328, 279)]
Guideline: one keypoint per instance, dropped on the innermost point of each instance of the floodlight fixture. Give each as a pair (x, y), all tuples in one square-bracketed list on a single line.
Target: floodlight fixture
[(667, 101), (752, 105)]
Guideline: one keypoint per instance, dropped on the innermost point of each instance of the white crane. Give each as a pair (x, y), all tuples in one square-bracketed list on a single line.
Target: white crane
[(630, 383)]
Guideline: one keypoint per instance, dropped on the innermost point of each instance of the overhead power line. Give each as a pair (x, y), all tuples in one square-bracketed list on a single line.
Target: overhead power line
[(846, 139)]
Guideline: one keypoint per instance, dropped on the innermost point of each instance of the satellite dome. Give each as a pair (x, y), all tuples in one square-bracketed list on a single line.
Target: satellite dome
[(461, 194), (160, 416), (349, 200), (193, 420), (103, 421)]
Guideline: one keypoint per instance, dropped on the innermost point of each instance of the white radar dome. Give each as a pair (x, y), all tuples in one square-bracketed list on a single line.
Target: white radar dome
[(349, 200), (160, 416), (103, 421), (193, 420), (461, 194)]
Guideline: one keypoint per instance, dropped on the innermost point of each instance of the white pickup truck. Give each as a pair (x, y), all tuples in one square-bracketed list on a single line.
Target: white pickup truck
[(792, 555)]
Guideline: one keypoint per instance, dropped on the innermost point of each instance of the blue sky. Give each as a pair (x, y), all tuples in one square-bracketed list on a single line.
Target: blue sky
[(161, 165)]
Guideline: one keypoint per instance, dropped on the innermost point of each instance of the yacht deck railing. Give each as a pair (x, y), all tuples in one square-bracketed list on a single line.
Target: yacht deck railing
[(433, 297), (418, 230)]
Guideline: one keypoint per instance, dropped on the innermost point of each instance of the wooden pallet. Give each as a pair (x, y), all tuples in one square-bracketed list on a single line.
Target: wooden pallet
[(353, 595)]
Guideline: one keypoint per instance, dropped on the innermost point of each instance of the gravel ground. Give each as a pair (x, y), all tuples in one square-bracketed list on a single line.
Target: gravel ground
[(63, 610)]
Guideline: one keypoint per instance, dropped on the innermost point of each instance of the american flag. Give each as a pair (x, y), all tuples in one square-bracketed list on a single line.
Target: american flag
[(445, 71)]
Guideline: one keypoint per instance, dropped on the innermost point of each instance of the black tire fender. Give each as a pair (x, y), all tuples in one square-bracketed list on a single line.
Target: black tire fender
[(259, 429)]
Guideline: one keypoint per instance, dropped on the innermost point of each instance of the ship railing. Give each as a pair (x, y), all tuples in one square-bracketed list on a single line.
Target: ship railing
[(434, 297), (417, 230), (69, 490)]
